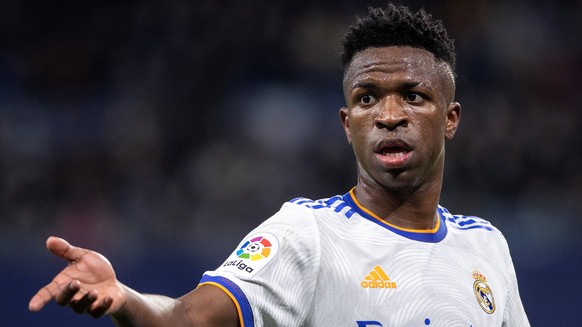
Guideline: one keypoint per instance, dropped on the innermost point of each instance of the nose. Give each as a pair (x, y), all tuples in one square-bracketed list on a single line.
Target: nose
[(391, 113)]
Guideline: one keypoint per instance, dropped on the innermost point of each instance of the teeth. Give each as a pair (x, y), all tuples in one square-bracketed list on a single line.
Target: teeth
[(394, 154)]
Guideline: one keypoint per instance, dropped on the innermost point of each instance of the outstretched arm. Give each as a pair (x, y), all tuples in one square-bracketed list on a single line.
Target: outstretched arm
[(89, 285)]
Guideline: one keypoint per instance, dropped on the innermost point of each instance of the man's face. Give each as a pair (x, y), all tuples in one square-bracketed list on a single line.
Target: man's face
[(399, 114)]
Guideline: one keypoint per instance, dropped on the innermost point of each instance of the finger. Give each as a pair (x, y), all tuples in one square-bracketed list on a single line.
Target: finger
[(83, 304), (64, 249), (68, 292), (48, 292), (40, 299), (99, 310)]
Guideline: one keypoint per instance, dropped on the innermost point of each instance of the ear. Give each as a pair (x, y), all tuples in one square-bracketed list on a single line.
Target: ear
[(453, 120), (343, 113)]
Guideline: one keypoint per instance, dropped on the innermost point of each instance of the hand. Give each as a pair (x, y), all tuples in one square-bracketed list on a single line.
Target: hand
[(88, 284)]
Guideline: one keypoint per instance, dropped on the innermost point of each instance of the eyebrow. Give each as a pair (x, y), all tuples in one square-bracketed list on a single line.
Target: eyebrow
[(410, 85), (365, 85), (374, 86)]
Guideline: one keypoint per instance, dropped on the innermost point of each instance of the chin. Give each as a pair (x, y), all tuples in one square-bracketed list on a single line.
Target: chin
[(399, 182)]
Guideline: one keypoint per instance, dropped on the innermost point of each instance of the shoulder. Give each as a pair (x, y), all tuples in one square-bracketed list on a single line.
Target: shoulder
[(336, 205), (297, 219), (315, 204), (305, 214), (475, 228), (466, 222)]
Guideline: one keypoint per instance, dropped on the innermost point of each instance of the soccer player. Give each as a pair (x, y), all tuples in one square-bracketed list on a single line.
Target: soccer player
[(383, 254)]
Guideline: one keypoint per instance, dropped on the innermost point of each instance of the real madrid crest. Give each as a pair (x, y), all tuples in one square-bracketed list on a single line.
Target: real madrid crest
[(483, 293)]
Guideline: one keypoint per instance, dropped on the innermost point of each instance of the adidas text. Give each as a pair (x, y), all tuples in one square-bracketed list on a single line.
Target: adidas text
[(378, 284)]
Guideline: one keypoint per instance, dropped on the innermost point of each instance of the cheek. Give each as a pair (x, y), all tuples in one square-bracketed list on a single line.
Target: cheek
[(434, 124), (432, 133), (357, 140), (357, 128), (358, 137)]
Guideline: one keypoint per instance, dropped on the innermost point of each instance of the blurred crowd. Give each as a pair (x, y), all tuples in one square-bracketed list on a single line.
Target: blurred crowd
[(177, 126)]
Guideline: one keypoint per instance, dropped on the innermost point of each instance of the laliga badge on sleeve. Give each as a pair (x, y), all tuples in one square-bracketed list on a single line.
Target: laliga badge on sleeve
[(252, 254)]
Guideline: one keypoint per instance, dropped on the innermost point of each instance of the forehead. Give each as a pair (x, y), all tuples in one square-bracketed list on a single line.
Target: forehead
[(403, 63)]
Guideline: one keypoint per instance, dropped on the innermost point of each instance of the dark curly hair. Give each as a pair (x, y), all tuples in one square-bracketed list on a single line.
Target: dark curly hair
[(398, 26)]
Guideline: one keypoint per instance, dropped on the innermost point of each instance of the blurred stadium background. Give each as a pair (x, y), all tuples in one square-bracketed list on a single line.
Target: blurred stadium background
[(159, 133)]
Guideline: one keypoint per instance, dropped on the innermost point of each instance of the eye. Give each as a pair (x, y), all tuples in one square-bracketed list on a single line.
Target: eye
[(367, 99), (413, 97)]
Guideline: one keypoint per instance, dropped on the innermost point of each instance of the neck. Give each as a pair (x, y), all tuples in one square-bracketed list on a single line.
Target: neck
[(414, 210)]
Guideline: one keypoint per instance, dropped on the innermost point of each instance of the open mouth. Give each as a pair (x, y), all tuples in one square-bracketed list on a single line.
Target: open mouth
[(394, 153)]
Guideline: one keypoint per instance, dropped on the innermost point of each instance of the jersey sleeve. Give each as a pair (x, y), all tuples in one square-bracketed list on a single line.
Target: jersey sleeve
[(514, 315), (272, 273)]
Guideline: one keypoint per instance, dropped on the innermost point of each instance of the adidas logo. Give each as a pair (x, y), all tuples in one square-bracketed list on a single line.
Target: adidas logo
[(377, 278)]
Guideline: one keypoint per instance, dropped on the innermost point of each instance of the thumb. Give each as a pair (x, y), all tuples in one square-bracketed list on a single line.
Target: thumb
[(64, 249)]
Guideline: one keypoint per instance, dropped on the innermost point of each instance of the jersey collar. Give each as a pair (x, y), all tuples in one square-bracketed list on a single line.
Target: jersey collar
[(430, 236)]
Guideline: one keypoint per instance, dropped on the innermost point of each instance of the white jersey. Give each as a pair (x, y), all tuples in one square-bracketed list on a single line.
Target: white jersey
[(332, 262)]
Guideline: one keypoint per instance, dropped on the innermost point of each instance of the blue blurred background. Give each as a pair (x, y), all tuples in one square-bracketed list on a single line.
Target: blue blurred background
[(159, 133)]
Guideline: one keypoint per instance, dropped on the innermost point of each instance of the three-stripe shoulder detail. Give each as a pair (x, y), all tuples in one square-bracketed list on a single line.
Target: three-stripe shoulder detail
[(463, 222), (335, 203)]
